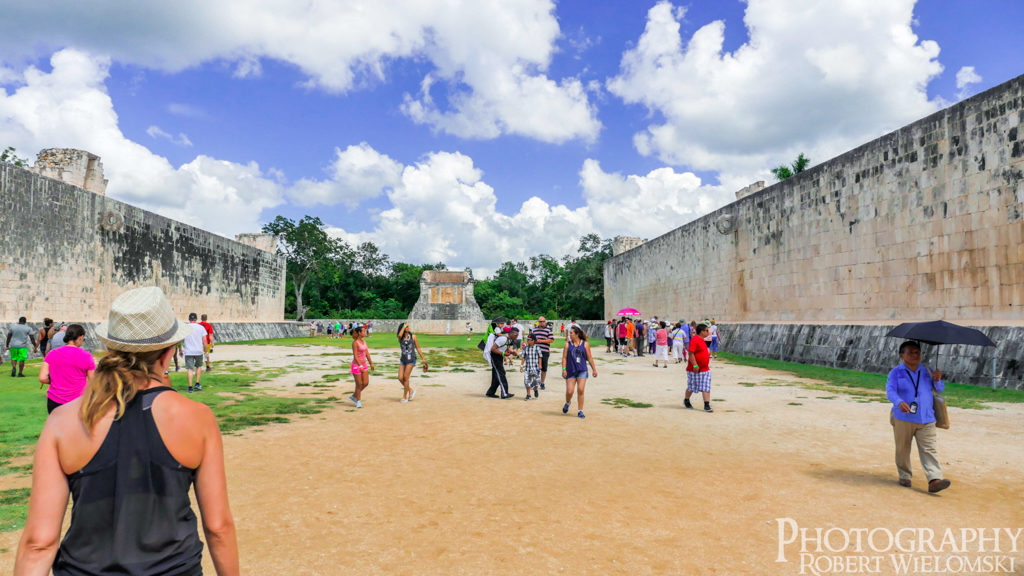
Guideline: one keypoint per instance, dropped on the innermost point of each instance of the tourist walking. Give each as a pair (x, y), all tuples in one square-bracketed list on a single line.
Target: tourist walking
[(94, 448), (652, 336), (194, 345), (530, 365), (680, 338), (494, 354), (410, 349), (640, 337), (18, 336), (909, 388), (44, 336), (714, 339), (609, 334), (67, 369), (208, 341), (661, 345), (622, 333), (362, 364), (544, 339), (698, 369), (575, 357)]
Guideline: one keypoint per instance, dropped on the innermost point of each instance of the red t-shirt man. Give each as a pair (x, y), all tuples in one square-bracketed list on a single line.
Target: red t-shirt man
[(701, 354)]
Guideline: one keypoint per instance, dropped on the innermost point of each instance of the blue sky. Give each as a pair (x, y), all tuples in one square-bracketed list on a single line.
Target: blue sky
[(540, 122)]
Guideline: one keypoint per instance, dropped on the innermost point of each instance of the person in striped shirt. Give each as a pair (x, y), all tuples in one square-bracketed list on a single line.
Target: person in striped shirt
[(531, 366), (544, 338)]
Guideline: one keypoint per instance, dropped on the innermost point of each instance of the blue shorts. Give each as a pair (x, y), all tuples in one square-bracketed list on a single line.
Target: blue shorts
[(584, 375), (714, 344)]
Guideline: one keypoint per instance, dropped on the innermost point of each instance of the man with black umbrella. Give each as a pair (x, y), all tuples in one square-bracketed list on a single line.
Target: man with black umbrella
[(909, 389)]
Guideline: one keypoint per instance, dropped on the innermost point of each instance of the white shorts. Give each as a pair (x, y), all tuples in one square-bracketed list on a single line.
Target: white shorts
[(661, 353)]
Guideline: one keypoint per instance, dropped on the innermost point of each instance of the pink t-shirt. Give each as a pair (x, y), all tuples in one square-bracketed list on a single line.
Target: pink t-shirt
[(69, 366), (661, 337), (361, 349)]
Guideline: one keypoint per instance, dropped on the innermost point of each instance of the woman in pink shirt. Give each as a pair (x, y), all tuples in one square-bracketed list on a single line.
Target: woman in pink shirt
[(67, 369), (661, 345), (362, 364)]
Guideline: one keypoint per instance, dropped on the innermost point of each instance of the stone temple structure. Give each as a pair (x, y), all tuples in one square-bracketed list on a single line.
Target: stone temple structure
[(446, 303)]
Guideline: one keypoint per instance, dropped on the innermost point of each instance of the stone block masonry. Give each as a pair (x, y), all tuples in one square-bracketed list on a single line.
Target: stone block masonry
[(923, 223), (66, 253)]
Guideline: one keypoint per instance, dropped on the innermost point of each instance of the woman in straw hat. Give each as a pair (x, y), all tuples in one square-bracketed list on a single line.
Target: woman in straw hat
[(127, 452)]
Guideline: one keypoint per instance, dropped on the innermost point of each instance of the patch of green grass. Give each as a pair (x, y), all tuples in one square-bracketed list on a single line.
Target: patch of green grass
[(433, 385), (869, 387), (625, 402), (332, 377), (827, 397), (618, 373), (460, 369), (22, 414), (747, 384), (13, 509), (795, 404)]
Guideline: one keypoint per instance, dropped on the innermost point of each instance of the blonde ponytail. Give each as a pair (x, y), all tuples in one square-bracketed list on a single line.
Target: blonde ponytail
[(116, 380)]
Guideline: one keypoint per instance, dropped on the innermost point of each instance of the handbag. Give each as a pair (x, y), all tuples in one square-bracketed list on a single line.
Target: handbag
[(941, 414)]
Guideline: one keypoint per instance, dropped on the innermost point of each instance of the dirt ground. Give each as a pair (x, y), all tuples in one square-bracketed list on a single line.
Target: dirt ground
[(456, 483)]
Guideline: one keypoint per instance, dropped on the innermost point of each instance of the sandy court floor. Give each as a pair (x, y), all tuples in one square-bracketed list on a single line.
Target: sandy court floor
[(456, 483)]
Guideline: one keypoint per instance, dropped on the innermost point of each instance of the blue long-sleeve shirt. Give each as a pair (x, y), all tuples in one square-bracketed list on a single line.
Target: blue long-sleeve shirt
[(899, 387)]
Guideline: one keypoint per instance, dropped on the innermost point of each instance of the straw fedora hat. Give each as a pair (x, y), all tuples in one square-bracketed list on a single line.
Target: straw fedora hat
[(141, 320)]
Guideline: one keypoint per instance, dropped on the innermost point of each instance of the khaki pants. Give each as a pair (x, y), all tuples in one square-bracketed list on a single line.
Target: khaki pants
[(904, 433)]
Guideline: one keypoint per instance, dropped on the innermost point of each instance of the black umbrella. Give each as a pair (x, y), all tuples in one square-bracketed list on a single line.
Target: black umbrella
[(940, 332)]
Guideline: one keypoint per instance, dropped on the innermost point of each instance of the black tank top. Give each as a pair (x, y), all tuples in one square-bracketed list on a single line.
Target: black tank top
[(131, 512)]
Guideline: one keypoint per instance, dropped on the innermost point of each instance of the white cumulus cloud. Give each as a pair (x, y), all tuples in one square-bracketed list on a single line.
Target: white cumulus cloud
[(966, 76), (490, 56), (357, 173), (818, 77)]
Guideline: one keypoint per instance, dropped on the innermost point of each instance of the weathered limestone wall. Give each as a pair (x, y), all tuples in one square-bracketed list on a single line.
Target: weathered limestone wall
[(922, 223), (866, 349), (66, 253)]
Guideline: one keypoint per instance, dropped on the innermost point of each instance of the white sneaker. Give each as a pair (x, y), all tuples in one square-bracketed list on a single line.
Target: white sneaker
[(412, 395), (359, 404), (353, 399), (403, 401)]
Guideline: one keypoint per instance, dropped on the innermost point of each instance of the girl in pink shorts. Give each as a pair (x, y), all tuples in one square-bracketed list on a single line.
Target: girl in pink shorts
[(362, 364)]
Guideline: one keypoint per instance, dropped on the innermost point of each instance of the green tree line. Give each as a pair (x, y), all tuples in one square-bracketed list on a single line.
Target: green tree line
[(328, 278)]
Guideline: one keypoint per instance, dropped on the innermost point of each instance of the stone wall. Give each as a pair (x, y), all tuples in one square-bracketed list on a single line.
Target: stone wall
[(923, 223), (866, 349), (446, 303), (67, 253)]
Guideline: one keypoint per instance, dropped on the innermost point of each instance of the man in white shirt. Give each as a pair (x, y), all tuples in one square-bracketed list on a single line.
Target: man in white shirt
[(194, 352)]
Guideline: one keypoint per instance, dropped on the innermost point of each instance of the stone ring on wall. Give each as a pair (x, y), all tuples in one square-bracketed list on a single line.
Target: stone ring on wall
[(111, 221), (725, 223)]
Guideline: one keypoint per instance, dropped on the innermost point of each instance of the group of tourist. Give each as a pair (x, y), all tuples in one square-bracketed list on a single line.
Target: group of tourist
[(67, 365), (631, 337), (335, 329), (362, 361)]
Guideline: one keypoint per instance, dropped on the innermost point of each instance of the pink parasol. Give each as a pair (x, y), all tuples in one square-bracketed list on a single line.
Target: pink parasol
[(628, 312)]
